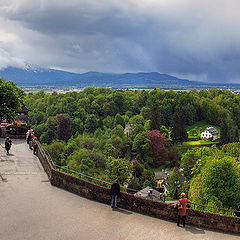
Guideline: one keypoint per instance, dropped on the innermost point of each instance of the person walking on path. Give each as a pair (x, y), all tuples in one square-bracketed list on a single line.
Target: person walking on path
[(8, 144), (114, 192), (182, 209), (34, 144), (30, 139)]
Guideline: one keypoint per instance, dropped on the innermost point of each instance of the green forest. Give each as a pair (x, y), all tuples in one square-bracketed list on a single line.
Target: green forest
[(128, 134)]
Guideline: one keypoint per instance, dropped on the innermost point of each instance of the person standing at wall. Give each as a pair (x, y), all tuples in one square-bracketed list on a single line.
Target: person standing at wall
[(114, 192), (182, 209), (8, 144)]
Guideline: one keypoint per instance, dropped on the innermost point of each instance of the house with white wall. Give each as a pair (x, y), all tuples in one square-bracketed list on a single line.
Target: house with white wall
[(210, 134)]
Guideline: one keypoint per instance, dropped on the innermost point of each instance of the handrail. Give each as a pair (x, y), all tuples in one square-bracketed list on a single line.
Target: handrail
[(222, 209), (96, 179), (48, 155)]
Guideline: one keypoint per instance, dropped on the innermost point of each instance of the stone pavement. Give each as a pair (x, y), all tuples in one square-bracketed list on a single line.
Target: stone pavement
[(32, 209)]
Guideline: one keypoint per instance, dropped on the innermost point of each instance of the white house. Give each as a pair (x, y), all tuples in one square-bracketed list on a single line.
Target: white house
[(210, 133)]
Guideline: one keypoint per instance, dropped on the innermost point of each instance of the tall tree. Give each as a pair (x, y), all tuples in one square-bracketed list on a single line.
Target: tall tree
[(155, 117), (179, 133), (118, 168)]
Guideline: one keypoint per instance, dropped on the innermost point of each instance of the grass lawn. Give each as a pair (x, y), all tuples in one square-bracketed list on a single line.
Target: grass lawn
[(159, 169), (199, 142)]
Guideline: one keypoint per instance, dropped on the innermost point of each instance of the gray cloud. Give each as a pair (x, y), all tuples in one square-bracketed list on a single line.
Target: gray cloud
[(195, 39)]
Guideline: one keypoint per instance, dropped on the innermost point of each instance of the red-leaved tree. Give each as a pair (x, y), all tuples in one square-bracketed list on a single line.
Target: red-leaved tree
[(63, 127), (159, 147)]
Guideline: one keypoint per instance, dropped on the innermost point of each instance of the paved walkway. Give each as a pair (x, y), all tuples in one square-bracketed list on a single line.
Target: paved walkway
[(31, 209)]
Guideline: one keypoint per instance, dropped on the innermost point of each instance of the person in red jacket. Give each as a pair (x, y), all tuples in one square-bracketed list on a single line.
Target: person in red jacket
[(182, 209)]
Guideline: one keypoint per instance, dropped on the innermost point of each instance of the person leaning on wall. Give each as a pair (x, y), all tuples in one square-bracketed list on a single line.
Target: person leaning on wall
[(182, 209), (114, 192)]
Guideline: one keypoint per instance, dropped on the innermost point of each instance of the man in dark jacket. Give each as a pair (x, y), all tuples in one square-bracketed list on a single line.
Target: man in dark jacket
[(8, 144), (114, 192)]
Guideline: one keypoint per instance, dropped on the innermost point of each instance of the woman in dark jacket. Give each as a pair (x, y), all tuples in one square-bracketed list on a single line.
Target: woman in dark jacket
[(8, 144), (114, 192)]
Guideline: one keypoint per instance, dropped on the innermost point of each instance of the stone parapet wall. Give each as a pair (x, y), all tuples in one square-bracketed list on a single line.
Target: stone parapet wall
[(145, 206), (45, 161), (133, 203)]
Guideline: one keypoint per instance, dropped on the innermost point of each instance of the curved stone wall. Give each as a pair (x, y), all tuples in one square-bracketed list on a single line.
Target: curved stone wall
[(137, 204)]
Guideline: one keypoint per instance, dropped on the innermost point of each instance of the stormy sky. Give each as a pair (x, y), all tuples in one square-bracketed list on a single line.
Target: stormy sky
[(193, 39)]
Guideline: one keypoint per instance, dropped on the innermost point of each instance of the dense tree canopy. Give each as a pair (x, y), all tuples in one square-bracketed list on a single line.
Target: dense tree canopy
[(10, 99), (98, 118)]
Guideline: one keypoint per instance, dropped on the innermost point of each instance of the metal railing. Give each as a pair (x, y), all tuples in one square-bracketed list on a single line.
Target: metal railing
[(95, 180), (220, 210), (130, 190), (47, 155)]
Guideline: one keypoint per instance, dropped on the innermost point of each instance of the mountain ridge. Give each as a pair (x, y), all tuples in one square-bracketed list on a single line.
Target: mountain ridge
[(34, 77)]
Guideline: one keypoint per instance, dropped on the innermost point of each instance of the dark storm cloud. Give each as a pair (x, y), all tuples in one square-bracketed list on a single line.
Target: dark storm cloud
[(196, 39)]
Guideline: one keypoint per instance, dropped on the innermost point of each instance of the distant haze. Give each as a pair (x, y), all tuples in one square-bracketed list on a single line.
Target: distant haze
[(190, 39)]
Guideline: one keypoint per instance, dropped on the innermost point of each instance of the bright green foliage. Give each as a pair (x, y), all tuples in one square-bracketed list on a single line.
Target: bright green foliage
[(109, 122), (77, 126), (220, 183), (138, 169), (217, 184), (69, 148), (111, 151), (148, 179), (173, 184), (188, 161), (118, 168), (194, 159), (137, 119), (51, 133), (56, 150), (85, 141), (193, 133), (98, 158), (146, 113), (196, 190), (10, 98), (80, 160), (142, 145), (138, 128), (98, 117), (119, 120), (118, 130), (232, 149), (91, 123)]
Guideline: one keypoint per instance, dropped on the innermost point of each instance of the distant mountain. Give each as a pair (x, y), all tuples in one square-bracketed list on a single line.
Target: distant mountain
[(37, 77)]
